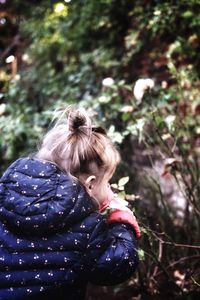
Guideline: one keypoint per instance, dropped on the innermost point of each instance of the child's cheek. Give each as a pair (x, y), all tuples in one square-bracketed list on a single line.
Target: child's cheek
[(107, 199)]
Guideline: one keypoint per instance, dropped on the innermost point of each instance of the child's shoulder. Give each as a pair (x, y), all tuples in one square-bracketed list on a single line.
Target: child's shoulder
[(40, 197)]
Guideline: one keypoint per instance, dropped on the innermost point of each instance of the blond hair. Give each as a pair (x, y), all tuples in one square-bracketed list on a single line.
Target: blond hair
[(76, 146)]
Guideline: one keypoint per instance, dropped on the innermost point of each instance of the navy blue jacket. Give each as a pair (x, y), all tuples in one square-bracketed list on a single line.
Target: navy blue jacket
[(52, 242)]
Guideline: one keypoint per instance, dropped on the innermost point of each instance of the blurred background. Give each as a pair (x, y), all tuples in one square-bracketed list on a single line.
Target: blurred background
[(135, 66)]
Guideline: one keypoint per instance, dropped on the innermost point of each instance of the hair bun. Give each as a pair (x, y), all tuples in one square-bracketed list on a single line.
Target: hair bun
[(77, 122), (77, 119)]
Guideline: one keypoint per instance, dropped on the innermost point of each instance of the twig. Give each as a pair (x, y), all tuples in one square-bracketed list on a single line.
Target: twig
[(160, 252), (190, 197), (175, 244), (15, 42), (195, 282), (178, 261)]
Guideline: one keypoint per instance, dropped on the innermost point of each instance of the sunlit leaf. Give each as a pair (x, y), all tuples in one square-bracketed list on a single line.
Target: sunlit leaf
[(123, 181)]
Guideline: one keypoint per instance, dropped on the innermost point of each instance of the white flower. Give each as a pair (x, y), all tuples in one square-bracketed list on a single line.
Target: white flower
[(25, 57), (118, 203), (127, 109), (2, 108), (10, 59), (17, 77), (140, 87), (170, 120), (149, 83), (108, 81), (104, 99)]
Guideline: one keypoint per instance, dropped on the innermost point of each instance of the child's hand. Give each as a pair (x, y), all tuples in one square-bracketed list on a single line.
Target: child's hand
[(124, 216), (120, 212)]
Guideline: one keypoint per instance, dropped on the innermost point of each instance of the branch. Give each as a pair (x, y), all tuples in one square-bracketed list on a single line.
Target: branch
[(159, 258), (15, 42), (175, 244), (179, 261)]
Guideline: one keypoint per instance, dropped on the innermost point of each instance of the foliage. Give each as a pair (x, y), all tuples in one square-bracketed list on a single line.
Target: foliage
[(91, 53)]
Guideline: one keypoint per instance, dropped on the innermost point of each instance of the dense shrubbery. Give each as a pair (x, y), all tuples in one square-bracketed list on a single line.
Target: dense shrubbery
[(91, 53)]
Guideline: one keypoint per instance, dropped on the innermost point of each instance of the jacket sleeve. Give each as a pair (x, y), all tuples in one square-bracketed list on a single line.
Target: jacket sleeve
[(111, 256), (125, 216)]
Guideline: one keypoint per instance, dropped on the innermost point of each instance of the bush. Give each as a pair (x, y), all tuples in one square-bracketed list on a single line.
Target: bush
[(92, 53)]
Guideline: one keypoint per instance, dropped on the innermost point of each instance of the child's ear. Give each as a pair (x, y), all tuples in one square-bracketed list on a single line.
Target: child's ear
[(89, 183)]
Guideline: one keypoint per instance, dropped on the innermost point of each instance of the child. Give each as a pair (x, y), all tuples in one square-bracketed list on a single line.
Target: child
[(54, 238)]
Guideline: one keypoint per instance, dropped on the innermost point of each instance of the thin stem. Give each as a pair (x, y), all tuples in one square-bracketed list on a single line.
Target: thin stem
[(179, 261), (175, 244), (160, 252)]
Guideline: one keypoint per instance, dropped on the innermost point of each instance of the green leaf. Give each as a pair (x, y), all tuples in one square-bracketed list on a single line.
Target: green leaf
[(123, 181), (114, 185), (121, 188), (187, 14), (121, 195), (141, 254)]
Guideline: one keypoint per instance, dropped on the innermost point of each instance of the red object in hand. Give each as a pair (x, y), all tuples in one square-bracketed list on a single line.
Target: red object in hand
[(119, 211), (126, 217)]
